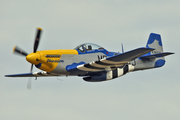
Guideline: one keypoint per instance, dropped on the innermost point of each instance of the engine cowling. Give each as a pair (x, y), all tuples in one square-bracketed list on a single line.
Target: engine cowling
[(114, 73)]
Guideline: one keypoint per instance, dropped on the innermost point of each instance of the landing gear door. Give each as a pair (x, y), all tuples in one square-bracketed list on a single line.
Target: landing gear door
[(133, 62)]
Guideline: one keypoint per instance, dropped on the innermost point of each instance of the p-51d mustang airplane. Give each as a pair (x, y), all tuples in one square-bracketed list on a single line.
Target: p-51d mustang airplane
[(92, 62)]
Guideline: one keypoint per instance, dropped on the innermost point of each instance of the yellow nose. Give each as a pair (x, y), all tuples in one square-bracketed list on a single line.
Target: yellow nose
[(33, 58)]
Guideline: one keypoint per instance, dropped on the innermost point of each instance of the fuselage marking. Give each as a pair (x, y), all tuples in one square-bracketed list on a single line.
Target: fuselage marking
[(49, 60)]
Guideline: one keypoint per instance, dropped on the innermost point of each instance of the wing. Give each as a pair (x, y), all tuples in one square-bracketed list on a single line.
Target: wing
[(114, 61), (35, 74)]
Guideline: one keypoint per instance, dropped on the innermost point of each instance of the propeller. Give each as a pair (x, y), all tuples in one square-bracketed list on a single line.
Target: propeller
[(36, 42), (30, 80), (21, 52), (29, 84)]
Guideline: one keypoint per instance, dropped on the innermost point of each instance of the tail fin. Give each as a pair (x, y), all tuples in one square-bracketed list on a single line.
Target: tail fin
[(155, 42), (158, 54)]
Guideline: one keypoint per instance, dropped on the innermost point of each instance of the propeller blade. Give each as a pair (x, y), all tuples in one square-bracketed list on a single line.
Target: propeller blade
[(19, 51), (36, 42), (29, 81), (31, 68), (29, 84)]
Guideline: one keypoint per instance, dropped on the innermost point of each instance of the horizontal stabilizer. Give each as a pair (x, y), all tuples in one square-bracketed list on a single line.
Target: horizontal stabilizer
[(156, 55), (128, 56)]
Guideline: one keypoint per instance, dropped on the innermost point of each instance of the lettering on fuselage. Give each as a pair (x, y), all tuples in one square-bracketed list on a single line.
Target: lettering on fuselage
[(101, 56), (155, 52), (49, 61), (53, 56)]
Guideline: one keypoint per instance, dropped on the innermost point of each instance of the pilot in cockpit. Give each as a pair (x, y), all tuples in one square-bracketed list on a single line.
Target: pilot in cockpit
[(89, 47)]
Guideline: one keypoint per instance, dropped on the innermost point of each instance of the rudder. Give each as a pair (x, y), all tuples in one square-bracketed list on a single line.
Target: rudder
[(157, 55), (155, 42)]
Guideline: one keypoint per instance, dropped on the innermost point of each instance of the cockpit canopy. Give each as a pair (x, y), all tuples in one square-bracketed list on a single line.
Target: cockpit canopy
[(88, 47)]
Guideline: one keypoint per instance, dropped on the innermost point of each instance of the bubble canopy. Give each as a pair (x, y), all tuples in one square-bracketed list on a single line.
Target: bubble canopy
[(88, 47)]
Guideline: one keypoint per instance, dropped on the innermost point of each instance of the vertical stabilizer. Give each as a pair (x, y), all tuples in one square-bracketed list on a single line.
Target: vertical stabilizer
[(155, 58), (155, 42)]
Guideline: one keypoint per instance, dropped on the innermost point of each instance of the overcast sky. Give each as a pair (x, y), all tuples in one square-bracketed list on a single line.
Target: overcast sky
[(144, 95)]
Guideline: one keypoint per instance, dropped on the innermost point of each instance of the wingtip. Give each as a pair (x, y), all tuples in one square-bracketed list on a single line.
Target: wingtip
[(7, 75), (21, 75)]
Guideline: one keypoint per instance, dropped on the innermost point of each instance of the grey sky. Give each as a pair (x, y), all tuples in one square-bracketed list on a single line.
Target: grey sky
[(144, 95)]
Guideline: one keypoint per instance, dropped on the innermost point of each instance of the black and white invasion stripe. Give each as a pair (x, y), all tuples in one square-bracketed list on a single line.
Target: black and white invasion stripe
[(117, 72), (94, 66)]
